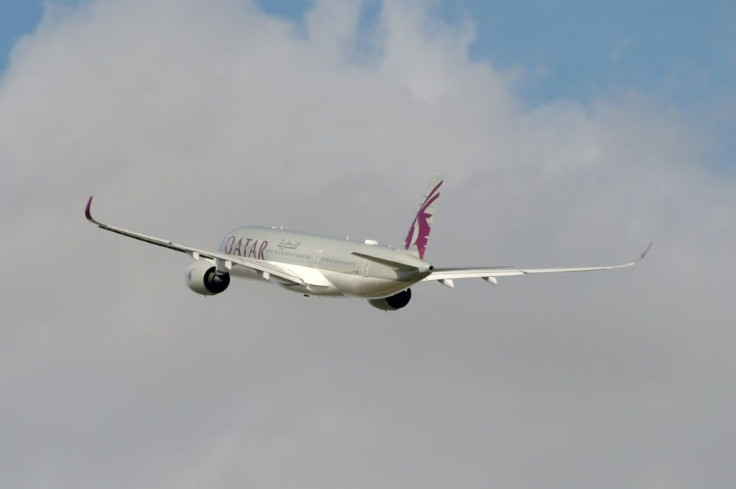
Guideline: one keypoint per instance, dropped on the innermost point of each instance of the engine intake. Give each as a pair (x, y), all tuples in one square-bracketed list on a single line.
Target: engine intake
[(392, 303), (203, 278)]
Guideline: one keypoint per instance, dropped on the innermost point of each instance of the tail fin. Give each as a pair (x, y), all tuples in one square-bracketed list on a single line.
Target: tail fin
[(418, 236)]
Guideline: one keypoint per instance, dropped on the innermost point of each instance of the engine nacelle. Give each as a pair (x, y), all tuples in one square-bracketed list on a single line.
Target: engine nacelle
[(396, 301), (202, 278)]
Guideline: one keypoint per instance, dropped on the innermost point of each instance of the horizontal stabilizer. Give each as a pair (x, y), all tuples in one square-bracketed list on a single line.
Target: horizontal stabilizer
[(385, 261)]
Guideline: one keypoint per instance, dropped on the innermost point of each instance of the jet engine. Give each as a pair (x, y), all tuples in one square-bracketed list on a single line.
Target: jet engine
[(392, 303), (203, 278)]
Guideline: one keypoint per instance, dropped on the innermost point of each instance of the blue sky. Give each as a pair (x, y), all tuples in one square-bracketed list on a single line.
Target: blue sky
[(683, 51), (17, 17), (680, 54)]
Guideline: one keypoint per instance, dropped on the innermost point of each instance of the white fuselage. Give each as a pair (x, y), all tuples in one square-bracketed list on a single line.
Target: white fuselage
[(335, 267)]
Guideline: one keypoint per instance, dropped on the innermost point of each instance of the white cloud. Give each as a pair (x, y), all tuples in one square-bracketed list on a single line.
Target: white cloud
[(620, 48), (186, 120)]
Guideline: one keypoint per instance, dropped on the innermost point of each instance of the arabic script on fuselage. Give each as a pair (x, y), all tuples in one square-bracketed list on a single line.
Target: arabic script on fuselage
[(289, 244)]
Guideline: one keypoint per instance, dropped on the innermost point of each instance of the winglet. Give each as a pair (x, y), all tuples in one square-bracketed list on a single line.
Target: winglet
[(645, 252), (88, 214), (87, 210)]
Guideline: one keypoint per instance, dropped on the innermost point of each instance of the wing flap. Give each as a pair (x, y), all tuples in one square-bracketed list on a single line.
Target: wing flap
[(307, 275)]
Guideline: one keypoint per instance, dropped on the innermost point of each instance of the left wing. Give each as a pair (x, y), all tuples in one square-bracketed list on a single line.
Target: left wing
[(223, 261), (446, 275)]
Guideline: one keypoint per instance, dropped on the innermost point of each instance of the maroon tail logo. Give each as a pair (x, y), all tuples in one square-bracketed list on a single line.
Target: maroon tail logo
[(419, 231)]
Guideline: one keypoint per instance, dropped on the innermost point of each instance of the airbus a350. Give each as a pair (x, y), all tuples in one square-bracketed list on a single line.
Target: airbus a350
[(332, 267)]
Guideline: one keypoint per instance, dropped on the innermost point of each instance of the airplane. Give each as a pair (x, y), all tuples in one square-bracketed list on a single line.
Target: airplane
[(332, 267)]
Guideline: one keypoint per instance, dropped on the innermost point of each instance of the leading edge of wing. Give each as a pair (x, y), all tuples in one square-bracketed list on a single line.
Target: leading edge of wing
[(221, 259), (445, 274)]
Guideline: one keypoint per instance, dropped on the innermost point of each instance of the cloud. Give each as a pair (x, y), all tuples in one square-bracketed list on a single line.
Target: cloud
[(186, 120), (620, 48)]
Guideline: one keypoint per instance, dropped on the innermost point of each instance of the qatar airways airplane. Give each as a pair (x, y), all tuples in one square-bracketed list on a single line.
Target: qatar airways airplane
[(332, 267)]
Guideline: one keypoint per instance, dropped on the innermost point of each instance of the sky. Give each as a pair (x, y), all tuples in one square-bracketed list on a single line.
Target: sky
[(563, 142)]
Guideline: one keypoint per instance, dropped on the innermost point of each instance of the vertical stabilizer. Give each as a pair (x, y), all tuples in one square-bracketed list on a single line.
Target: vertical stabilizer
[(418, 236)]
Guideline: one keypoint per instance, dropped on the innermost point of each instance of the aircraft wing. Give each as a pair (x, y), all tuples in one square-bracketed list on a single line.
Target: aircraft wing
[(446, 275), (223, 261)]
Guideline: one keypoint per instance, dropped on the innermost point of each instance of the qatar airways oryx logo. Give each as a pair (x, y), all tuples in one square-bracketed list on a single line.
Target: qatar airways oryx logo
[(420, 228), (246, 247)]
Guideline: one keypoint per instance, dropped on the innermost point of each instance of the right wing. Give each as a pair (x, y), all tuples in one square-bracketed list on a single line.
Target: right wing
[(445, 276), (223, 261)]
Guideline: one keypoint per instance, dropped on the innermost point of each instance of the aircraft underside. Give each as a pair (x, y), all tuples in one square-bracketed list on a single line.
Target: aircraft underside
[(337, 284)]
